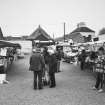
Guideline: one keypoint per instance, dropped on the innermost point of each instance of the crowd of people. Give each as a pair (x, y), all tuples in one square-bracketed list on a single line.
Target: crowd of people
[(94, 61), (44, 65)]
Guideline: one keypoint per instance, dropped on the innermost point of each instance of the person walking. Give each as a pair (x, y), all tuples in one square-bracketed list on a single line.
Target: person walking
[(37, 65), (100, 67), (82, 60), (46, 58), (52, 69), (58, 57)]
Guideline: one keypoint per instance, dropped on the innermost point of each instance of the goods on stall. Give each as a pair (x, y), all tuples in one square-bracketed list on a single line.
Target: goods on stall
[(7, 51)]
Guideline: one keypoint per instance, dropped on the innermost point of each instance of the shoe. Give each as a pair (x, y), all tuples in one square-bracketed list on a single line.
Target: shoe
[(35, 88), (94, 88), (5, 82), (100, 90), (40, 88), (52, 86)]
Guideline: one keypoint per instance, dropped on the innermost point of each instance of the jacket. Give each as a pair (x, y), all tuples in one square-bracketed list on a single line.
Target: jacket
[(46, 57), (36, 62), (52, 64), (100, 64), (58, 55), (83, 57)]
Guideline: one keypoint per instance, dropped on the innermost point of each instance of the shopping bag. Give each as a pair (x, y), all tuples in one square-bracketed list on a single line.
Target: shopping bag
[(75, 63), (45, 78)]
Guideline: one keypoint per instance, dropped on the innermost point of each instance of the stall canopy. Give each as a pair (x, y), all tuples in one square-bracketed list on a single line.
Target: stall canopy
[(4, 43), (8, 44)]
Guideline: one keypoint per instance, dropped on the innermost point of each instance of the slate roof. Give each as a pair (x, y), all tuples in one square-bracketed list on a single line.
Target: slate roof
[(76, 37), (39, 34), (82, 29)]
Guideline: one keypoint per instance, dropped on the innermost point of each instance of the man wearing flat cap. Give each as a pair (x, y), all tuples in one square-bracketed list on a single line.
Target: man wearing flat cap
[(36, 65)]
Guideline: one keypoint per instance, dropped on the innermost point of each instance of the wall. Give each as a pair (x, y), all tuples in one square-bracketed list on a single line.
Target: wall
[(88, 33), (26, 46), (101, 37)]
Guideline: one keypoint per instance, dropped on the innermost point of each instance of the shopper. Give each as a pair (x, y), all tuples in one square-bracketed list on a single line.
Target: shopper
[(36, 65), (52, 69), (58, 58), (100, 63), (82, 59), (46, 58)]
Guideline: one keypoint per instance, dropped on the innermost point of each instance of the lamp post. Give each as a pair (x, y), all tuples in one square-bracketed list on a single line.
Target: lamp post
[(64, 31)]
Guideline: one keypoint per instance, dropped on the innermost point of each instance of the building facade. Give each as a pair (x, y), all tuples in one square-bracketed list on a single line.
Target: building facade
[(82, 33)]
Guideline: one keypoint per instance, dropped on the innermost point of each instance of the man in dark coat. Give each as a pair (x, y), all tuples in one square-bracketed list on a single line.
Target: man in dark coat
[(58, 58), (46, 55), (52, 69), (82, 59), (36, 65)]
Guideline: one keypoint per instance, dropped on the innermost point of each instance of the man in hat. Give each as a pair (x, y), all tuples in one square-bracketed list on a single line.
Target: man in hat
[(36, 65)]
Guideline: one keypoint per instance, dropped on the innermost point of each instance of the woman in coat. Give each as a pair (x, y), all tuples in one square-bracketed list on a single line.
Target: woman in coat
[(52, 69)]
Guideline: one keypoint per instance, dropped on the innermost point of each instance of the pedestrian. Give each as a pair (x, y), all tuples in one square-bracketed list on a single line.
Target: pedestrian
[(36, 65), (52, 69), (46, 58), (15, 54), (93, 57), (58, 58), (100, 63), (82, 59)]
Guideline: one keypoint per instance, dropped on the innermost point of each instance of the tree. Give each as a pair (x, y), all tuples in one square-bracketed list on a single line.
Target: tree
[(102, 31)]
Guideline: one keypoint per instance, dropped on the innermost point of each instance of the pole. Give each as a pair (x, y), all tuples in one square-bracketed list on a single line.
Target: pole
[(53, 38), (64, 31), (53, 35)]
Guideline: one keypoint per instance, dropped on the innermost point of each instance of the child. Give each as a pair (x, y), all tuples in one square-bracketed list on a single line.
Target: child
[(100, 62)]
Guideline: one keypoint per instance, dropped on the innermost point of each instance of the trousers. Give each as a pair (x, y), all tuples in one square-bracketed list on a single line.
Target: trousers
[(52, 80), (38, 79), (99, 80), (58, 66), (82, 65)]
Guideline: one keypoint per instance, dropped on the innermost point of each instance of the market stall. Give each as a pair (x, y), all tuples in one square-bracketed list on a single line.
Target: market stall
[(7, 52)]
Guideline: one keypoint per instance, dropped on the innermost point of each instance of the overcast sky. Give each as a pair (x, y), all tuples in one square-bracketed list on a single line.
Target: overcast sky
[(22, 17)]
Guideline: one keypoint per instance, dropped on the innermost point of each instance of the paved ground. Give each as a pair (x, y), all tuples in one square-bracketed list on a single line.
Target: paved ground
[(73, 88)]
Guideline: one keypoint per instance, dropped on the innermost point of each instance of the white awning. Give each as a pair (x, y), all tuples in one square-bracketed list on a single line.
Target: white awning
[(38, 41)]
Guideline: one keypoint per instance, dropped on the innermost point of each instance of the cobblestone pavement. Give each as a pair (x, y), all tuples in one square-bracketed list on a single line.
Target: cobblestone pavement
[(73, 88)]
